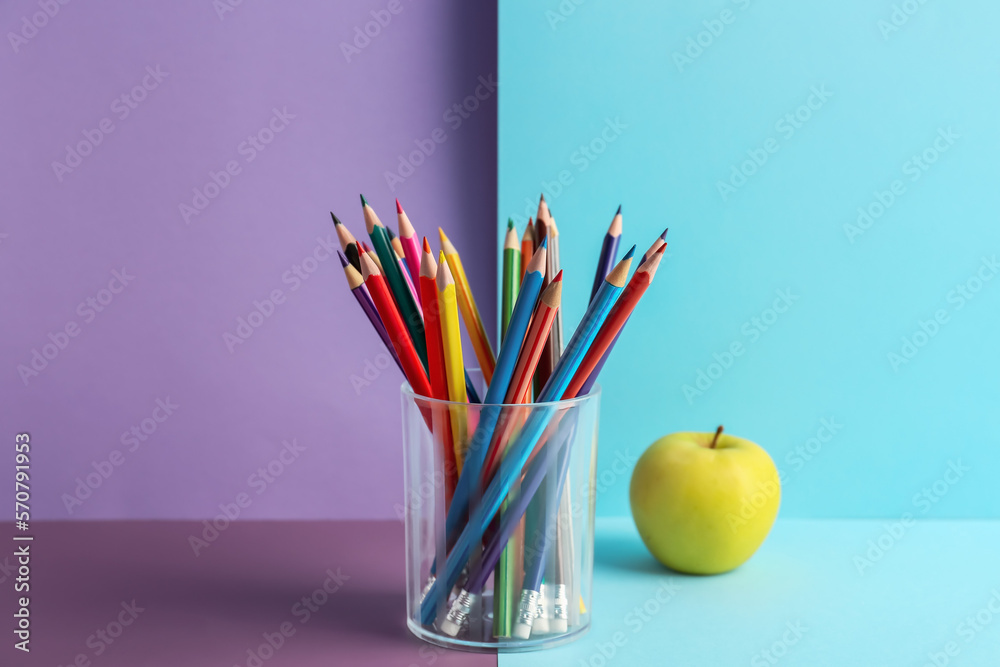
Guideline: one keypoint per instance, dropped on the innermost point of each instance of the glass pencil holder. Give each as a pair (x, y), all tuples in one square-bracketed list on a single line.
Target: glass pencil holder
[(499, 517)]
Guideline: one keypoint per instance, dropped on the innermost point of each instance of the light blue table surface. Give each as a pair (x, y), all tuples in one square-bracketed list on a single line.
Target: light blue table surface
[(805, 597)]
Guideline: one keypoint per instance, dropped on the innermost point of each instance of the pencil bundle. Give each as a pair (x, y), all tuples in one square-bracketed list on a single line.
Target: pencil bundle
[(506, 462)]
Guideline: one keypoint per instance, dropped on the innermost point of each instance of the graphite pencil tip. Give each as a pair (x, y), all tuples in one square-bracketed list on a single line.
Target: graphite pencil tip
[(399, 209), (336, 220)]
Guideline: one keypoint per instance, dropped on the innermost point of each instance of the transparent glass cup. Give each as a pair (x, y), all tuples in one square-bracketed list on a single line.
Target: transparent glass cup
[(520, 557)]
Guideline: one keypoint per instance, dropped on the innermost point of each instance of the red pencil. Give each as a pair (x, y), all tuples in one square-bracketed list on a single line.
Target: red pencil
[(395, 327), (615, 320), (436, 364)]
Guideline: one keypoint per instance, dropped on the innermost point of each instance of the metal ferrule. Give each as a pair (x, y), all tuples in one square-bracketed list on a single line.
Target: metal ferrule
[(427, 587), (560, 603), (461, 608), (527, 608), (544, 602)]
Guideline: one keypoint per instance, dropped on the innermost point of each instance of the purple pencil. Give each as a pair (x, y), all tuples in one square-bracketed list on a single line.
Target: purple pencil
[(357, 285), (609, 251), (585, 389)]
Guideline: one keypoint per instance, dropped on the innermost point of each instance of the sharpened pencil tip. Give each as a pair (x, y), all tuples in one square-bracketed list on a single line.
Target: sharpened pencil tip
[(542, 198), (544, 243), (364, 202), (427, 246), (664, 234), (630, 253), (343, 258), (399, 209), (336, 220), (558, 277), (619, 211), (510, 223)]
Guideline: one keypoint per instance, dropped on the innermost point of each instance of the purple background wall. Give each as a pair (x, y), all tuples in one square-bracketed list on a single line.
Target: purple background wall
[(161, 338)]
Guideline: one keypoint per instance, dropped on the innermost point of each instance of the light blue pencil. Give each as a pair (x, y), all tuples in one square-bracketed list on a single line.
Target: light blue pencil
[(519, 450)]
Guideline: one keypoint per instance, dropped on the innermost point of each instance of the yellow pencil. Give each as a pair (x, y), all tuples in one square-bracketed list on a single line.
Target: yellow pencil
[(470, 312), (451, 341)]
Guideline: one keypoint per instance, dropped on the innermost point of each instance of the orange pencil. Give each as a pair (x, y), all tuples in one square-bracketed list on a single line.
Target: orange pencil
[(527, 247), (394, 326)]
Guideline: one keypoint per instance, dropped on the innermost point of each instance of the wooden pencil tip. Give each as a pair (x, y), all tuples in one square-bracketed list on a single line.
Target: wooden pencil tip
[(343, 258), (368, 267), (336, 220), (538, 261), (552, 296), (558, 277), (428, 267), (544, 243), (663, 236), (630, 253), (354, 279), (446, 244), (427, 246), (364, 202), (399, 209), (444, 277), (542, 198), (620, 272)]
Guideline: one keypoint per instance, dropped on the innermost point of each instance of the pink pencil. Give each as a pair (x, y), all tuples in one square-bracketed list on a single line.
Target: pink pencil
[(411, 248)]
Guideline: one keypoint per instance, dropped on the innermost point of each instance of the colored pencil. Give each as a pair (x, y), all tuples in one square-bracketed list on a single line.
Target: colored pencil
[(451, 340), (436, 368), (348, 243), (357, 285), (609, 248), (479, 443), (470, 312), (401, 292), (411, 247), (585, 389), (413, 369), (522, 447), (555, 266), (405, 272), (512, 277), (367, 250), (527, 246)]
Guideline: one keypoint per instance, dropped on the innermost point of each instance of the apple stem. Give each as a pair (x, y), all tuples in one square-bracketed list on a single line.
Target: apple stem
[(718, 432)]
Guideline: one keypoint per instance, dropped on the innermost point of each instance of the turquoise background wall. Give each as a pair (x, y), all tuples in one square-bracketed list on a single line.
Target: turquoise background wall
[(829, 174)]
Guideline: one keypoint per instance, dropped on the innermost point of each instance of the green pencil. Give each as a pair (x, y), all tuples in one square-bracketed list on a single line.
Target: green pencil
[(408, 308), (511, 275)]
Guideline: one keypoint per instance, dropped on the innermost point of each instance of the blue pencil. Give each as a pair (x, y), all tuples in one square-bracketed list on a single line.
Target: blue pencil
[(608, 251), (519, 450)]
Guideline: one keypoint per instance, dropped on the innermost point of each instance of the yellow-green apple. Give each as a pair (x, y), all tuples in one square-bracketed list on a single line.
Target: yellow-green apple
[(704, 502)]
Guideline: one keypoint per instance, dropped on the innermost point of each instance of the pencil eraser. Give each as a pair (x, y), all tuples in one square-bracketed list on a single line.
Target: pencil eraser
[(522, 631), (559, 625), (541, 626), (450, 628)]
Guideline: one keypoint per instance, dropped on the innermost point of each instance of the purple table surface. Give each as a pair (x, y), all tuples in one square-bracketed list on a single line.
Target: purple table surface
[(133, 593)]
